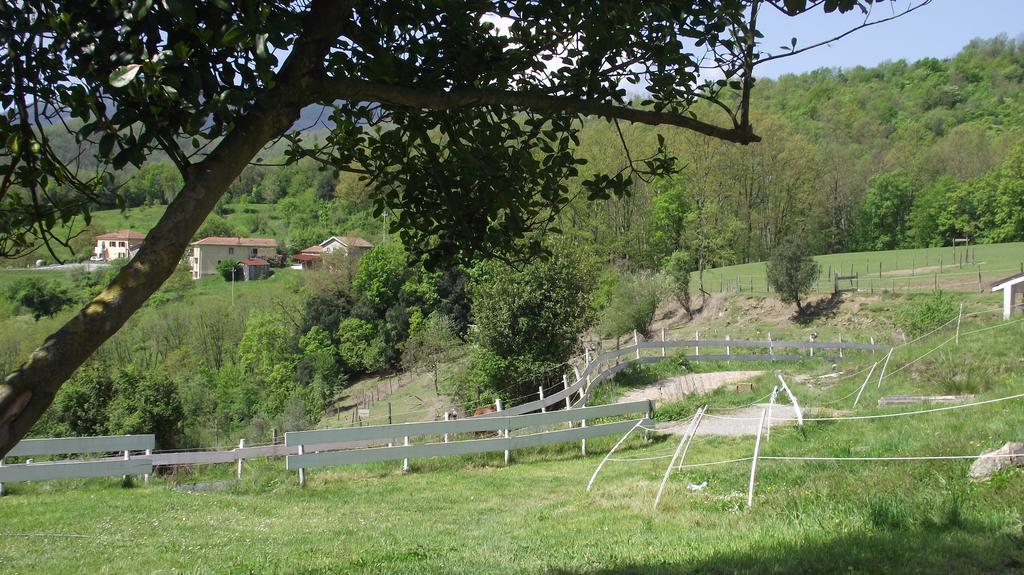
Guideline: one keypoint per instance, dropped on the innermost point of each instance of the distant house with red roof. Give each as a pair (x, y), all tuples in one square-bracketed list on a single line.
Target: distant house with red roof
[(255, 269), (207, 253), (351, 246), (117, 245)]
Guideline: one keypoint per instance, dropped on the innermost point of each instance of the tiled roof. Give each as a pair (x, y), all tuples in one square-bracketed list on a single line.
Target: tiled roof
[(122, 235), (304, 257), (245, 242), (313, 249), (350, 241), (255, 262)]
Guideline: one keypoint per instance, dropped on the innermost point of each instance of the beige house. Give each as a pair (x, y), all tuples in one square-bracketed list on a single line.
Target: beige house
[(117, 245), (208, 252)]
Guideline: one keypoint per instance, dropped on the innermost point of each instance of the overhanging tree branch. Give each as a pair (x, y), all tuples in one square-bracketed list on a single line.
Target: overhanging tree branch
[(438, 99)]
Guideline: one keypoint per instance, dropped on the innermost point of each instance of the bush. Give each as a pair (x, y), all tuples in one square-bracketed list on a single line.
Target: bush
[(678, 267), (924, 313), (38, 296), (633, 304), (230, 270)]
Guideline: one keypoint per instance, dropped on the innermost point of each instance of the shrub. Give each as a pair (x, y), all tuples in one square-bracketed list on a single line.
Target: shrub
[(678, 267), (38, 296), (230, 270), (633, 304), (924, 313)]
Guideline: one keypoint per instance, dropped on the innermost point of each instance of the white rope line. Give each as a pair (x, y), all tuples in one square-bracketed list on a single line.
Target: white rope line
[(881, 415), (963, 333), (922, 356), (889, 458), (652, 458), (710, 463), (920, 337)]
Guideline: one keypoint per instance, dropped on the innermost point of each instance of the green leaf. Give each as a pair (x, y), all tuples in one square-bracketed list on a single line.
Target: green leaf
[(232, 35), (106, 145), (181, 8), (123, 75)]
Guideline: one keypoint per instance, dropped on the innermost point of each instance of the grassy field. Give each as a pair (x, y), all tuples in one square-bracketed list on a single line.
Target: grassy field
[(896, 270), (474, 515)]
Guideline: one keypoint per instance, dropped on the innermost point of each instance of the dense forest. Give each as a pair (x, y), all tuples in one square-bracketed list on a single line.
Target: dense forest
[(898, 155)]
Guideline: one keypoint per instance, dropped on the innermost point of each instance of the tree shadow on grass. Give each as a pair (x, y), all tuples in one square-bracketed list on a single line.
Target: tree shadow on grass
[(822, 308), (935, 550)]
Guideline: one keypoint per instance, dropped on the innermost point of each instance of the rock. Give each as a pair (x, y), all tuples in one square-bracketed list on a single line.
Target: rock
[(1009, 455)]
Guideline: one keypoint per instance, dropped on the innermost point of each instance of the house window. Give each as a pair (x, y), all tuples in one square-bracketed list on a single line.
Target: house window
[(253, 253), (231, 251)]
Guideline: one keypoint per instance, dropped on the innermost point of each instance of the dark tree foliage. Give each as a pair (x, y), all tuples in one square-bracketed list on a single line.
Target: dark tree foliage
[(41, 297), (792, 270), (230, 270)]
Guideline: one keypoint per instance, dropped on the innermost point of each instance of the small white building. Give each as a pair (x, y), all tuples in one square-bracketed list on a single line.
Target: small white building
[(117, 245), (1013, 293)]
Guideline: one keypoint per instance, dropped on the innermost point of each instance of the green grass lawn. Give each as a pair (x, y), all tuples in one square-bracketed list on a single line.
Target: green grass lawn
[(901, 270), (474, 515)]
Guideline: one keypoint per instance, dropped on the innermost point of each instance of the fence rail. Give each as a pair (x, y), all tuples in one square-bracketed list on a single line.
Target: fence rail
[(102, 467), (312, 440)]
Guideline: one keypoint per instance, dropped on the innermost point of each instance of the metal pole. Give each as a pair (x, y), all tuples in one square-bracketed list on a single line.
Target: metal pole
[(753, 464), (302, 472), (771, 404), (865, 384), (884, 365), (609, 454), (671, 463)]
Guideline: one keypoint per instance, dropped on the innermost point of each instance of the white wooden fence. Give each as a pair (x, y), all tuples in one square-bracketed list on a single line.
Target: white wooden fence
[(310, 443), (77, 468)]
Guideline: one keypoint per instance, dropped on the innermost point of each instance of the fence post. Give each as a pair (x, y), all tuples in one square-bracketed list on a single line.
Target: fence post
[(840, 346), (586, 356), (810, 339), (696, 348), (540, 392), (872, 346), (958, 317), (565, 386), (124, 478), (145, 478), (753, 464), (405, 462), (446, 417), (1, 484), (504, 433), (880, 270), (663, 341), (241, 460), (980, 289), (302, 471), (636, 344), (728, 348), (389, 413), (771, 347), (583, 442)]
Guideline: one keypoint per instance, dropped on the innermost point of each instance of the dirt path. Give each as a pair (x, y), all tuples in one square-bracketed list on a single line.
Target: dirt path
[(675, 388), (743, 421)]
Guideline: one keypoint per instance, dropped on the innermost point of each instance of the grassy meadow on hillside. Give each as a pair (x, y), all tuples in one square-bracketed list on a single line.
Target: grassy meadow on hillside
[(535, 516)]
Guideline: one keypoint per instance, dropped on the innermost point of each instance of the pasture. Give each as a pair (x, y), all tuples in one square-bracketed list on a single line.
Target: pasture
[(472, 514)]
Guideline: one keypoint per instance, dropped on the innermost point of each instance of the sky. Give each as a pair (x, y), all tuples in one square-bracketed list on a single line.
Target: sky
[(937, 30)]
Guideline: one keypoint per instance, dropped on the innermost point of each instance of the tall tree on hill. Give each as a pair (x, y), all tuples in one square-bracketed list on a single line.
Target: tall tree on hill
[(792, 270), (465, 129)]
